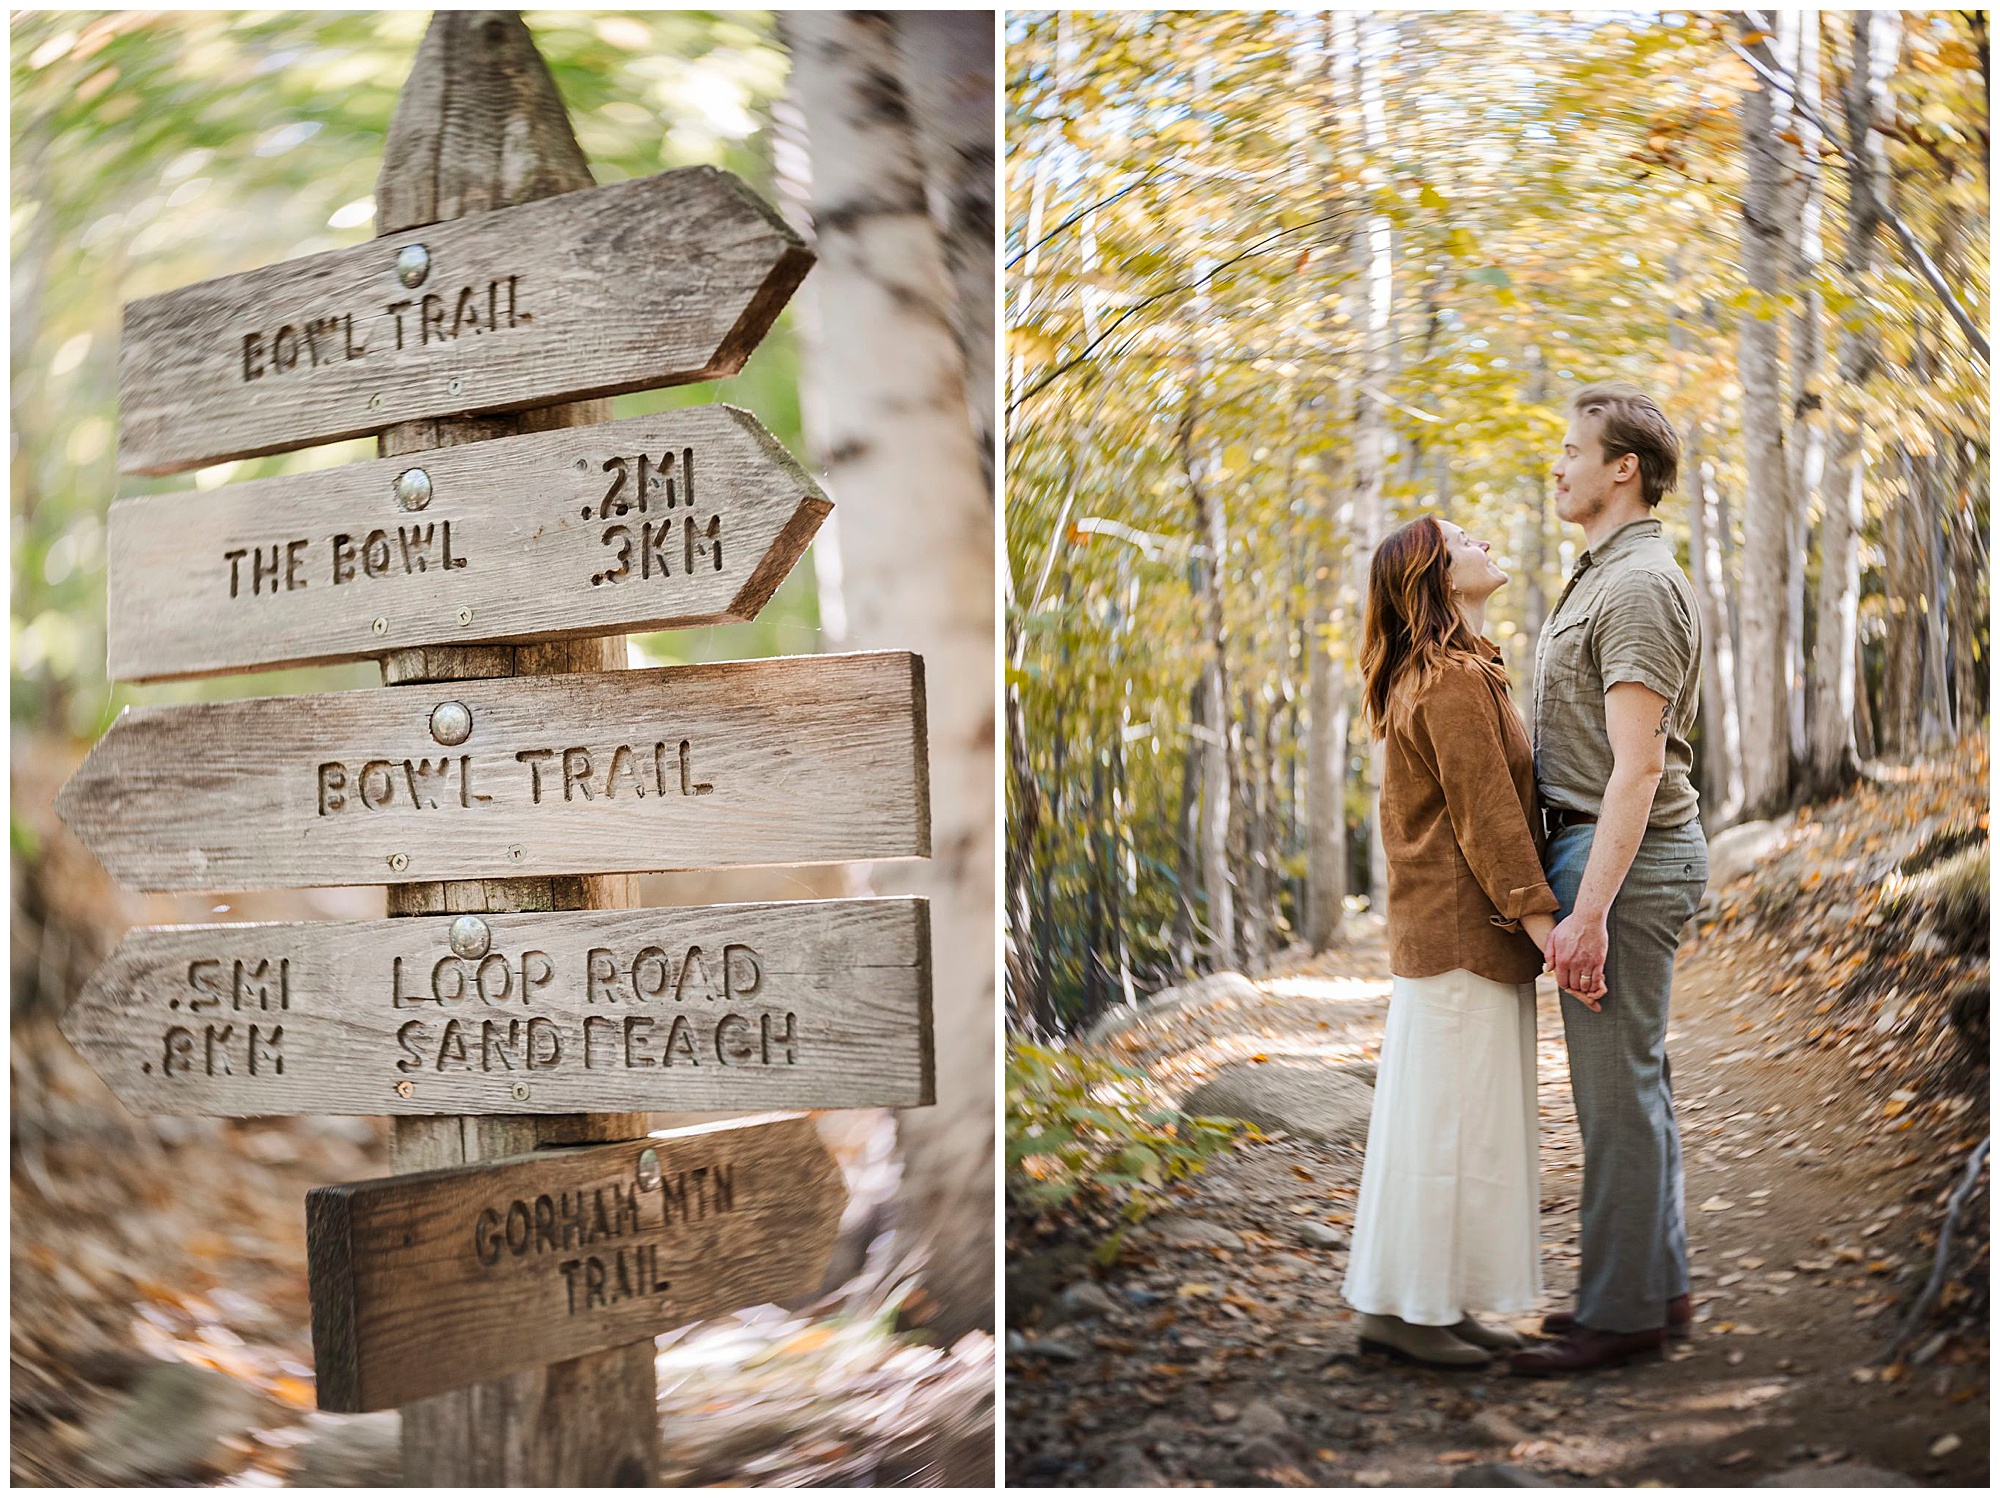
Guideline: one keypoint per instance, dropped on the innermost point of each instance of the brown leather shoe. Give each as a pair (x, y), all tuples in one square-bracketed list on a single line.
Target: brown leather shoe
[(1680, 1320), (1584, 1350)]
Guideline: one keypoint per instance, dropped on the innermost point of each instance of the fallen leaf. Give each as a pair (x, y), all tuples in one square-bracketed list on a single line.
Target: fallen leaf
[(1716, 1204), (1945, 1445)]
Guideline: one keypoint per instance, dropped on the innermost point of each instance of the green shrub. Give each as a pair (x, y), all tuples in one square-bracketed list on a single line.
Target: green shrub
[(1085, 1132)]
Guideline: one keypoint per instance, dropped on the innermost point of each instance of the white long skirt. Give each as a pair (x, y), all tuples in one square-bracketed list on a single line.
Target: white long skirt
[(1449, 1220)]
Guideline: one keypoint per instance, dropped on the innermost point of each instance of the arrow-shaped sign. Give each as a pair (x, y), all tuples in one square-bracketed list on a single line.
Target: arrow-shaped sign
[(660, 281), (691, 517), (806, 1004), (426, 1283), (803, 759)]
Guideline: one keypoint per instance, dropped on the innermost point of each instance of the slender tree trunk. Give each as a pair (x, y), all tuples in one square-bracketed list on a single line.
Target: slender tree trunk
[(1187, 836), (1373, 270), (1024, 819), (1805, 447), (1324, 915), (479, 126), (1766, 517), (903, 463), (1838, 690), (948, 63), (1722, 758)]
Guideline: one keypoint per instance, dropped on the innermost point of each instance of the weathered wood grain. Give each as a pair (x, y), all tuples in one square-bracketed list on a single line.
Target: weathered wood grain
[(537, 537), (479, 126), (797, 760), (659, 281), (428, 1282), (749, 1008)]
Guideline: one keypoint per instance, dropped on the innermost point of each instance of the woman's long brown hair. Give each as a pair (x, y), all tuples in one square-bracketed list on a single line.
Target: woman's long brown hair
[(1412, 627)]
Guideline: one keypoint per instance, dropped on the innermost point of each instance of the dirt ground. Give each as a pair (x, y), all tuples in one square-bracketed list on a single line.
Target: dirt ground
[(1234, 1360)]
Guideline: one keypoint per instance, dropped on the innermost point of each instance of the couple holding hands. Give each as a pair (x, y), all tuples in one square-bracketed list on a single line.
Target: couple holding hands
[(1578, 851)]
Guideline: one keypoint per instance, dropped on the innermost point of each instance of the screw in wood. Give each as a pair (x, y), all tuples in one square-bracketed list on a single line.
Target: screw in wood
[(520, 1092), (649, 1169), (399, 861), (457, 386), (451, 722), (380, 626), (413, 488), (470, 936), (516, 853), (465, 616), (406, 1089), (413, 263)]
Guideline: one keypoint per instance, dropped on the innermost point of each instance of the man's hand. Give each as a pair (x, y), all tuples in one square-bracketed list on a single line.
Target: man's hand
[(1576, 952)]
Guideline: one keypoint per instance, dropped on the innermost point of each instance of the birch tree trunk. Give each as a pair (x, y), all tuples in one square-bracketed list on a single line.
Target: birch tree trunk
[(1330, 607), (1373, 272), (1766, 518), (479, 126), (902, 462), (1805, 447), (1217, 795), (1722, 747), (948, 64), (1834, 759)]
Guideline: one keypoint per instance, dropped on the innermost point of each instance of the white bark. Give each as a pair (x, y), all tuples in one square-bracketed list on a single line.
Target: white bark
[(1722, 746), (1805, 447), (1371, 432), (1834, 747), (948, 67), (1766, 747), (902, 464)]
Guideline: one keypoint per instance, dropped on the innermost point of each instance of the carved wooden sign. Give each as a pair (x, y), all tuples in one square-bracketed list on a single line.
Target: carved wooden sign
[(426, 1283), (801, 759), (692, 517), (659, 281), (806, 1004)]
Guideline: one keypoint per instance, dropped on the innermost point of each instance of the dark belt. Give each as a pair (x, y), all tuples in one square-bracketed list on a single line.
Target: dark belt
[(1555, 818)]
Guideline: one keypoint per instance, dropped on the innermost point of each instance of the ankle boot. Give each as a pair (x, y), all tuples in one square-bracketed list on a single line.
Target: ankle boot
[(1421, 1344)]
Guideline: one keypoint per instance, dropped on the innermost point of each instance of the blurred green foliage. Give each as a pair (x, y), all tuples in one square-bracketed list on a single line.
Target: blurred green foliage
[(1086, 1133), (156, 149)]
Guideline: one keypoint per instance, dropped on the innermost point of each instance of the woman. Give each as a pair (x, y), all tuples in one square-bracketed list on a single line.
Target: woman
[(1449, 1216)]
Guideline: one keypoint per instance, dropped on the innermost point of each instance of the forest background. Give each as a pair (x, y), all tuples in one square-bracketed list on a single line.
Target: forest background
[(1277, 282), (153, 150)]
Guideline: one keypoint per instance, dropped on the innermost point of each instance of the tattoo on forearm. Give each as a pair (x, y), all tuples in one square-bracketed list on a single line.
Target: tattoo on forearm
[(1665, 713)]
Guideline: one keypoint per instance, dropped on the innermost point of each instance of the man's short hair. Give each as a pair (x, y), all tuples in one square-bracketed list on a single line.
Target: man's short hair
[(1629, 421)]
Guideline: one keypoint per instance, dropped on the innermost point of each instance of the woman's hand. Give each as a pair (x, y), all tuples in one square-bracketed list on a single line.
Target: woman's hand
[(1538, 928)]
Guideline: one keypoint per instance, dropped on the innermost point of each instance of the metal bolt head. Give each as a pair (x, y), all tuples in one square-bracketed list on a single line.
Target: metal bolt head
[(470, 936), (413, 488), (399, 861), (380, 626), (413, 263), (516, 853), (451, 722), (464, 615), (520, 1092), (457, 386), (649, 1169)]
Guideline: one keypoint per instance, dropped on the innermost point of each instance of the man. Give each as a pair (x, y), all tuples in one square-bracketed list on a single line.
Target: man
[(1615, 690)]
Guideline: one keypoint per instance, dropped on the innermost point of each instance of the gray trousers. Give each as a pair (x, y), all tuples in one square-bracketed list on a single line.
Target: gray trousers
[(1634, 1236)]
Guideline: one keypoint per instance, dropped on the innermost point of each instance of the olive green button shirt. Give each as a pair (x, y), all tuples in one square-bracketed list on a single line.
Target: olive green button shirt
[(1627, 614)]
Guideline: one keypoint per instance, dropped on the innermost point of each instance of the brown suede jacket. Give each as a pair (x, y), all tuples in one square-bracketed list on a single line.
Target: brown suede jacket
[(1459, 827)]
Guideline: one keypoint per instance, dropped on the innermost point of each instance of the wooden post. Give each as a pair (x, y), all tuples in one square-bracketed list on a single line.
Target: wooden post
[(478, 126)]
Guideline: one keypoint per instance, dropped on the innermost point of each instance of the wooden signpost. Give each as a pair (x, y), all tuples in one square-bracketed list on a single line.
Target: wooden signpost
[(505, 778), (422, 1282), (661, 281), (813, 1004), (798, 760), (693, 517)]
